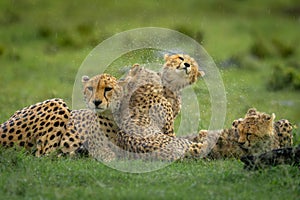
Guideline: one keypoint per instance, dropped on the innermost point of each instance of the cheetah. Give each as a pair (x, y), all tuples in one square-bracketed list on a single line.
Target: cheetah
[(256, 133), (178, 72), (50, 126), (108, 94)]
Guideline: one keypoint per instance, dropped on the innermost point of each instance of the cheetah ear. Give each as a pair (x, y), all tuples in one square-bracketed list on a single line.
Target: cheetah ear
[(122, 83), (273, 116), (166, 57), (251, 111), (269, 118), (134, 69), (85, 79), (200, 73), (236, 122), (135, 65)]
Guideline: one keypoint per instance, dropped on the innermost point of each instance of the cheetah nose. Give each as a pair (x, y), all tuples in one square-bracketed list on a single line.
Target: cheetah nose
[(241, 143), (187, 65), (97, 102)]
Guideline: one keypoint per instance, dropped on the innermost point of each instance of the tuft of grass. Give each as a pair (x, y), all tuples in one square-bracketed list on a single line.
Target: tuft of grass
[(197, 35), (284, 77), (262, 49)]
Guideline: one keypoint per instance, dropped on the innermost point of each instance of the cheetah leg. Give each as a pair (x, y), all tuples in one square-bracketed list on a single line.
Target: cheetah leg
[(289, 155)]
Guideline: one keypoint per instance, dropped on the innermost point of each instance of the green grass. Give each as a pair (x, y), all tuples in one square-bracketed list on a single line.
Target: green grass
[(43, 43), (24, 176)]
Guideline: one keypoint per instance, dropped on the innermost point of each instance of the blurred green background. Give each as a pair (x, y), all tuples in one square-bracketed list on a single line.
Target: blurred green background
[(255, 45)]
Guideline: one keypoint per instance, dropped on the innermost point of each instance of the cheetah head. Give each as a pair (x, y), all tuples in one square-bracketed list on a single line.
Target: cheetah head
[(255, 130), (101, 92), (179, 71)]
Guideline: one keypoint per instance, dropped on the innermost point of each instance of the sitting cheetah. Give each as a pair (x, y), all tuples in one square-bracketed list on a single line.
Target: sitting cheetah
[(179, 71), (143, 104), (256, 133), (110, 93)]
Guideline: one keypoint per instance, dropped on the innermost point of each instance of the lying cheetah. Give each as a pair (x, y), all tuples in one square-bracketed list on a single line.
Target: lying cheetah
[(254, 134), (50, 126), (223, 143)]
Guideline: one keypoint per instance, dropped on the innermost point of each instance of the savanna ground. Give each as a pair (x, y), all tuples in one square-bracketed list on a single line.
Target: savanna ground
[(255, 45)]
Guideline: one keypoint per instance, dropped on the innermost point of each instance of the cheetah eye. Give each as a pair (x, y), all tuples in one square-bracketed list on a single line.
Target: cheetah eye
[(90, 88), (107, 89), (181, 58)]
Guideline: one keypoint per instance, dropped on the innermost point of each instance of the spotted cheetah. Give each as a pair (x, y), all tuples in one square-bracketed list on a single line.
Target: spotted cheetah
[(50, 126), (178, 72), (256, 133)]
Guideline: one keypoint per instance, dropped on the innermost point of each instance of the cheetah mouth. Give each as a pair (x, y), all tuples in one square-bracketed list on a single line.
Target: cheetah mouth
[(243, 148), (186, 69), (98, 110)]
